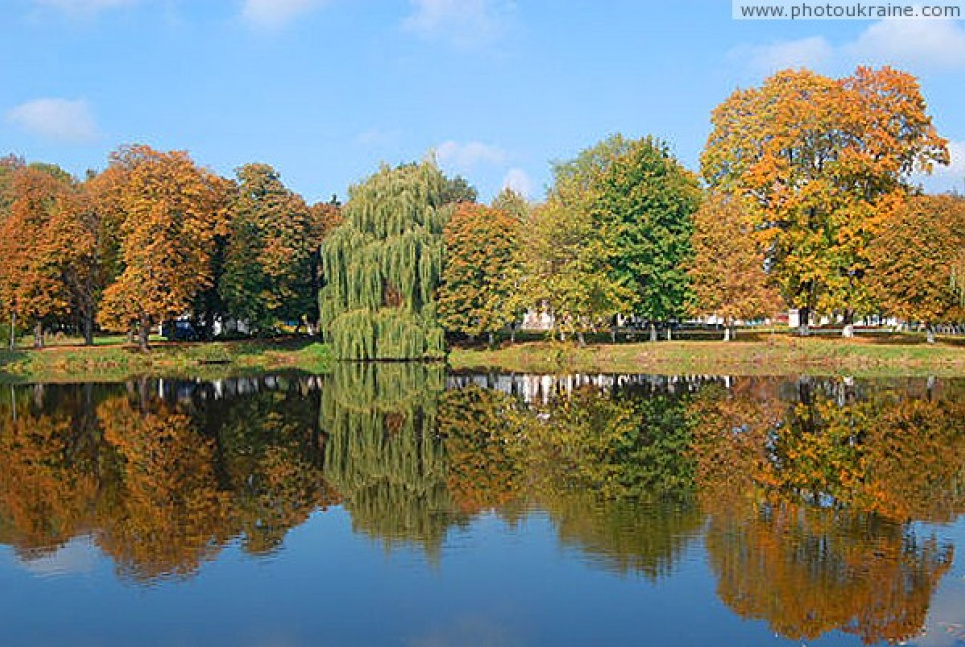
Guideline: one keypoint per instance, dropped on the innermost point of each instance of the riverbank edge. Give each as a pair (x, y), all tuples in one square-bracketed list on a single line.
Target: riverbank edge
[(119, 362), (771, 355), (777, 355)]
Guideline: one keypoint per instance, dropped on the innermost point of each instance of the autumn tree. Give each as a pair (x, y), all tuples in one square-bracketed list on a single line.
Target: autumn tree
[(727, 272), (481, 274), (30, 261), (172, 211), (819, 162), (267, 273), (383, 266), (915, 259)]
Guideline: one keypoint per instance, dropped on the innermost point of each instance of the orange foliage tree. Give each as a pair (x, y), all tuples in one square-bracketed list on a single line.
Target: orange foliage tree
[(481, 272), (818, 162), (915, 259), (30, 257), (727, 273), (172, 210)]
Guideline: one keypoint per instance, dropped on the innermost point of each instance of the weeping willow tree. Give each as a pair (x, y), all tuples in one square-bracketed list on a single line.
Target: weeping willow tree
[(383, 453), (383, 266)]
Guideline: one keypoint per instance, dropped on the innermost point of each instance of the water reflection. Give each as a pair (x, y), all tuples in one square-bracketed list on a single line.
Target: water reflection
[(160, 485), (811, 496), (810, 502)]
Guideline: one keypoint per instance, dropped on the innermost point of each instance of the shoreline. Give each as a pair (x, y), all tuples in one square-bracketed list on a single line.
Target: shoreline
[(770, 355)]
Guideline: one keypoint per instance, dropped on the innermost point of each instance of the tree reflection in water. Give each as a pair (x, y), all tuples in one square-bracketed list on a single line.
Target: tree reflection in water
[(809, 494), (811, 503), (160, 484)]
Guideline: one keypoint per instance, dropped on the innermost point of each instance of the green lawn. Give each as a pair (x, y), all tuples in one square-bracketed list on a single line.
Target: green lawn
[(886, 355), (112, 358)]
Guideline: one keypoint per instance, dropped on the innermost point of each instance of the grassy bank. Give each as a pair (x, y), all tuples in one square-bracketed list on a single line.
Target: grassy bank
[(754, 355), (112, 360)]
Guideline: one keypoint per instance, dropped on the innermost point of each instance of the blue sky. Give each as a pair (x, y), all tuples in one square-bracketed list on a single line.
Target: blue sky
[(325, 90)]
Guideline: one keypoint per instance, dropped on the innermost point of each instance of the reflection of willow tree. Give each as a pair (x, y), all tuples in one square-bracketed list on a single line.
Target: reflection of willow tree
[(383, 454), (820, 543), (159, 487), (615, 476)]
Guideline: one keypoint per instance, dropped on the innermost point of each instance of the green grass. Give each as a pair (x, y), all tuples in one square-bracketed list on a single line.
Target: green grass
[(889, 355), (116, 360), (112, 359)]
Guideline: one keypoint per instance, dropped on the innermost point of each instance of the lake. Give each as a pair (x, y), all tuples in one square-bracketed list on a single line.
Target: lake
[(397, 504)]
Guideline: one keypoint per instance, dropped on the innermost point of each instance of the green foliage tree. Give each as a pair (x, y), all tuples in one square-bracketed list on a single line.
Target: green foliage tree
[(614, 235), (268, 254), (513, 203), (383, 265), (643, 201)]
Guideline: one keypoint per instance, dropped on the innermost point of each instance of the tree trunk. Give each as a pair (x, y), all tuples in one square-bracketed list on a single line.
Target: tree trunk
[(143, 332), (726, 332), (653, 332), (130, 335), (38, 335), (803, 321), (492, 339), (613, 333), (87, 324), (929, 334), (582, 339), (848, 330), (669, 335), (512, 333), (13, 331)]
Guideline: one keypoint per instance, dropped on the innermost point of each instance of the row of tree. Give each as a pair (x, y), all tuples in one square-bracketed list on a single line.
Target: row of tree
[(806, 202), (154, 237)]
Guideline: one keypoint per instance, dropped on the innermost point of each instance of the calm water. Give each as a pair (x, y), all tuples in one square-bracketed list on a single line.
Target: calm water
[(395, 505)]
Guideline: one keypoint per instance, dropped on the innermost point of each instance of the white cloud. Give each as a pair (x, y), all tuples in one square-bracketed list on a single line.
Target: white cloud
[(83, 6), (947, 178), (807, 52), (61, 120), (921, 43), (914, 43), (275, 14), (519, 181), (465, 157), (463, 23), (75, 557), (376, 138)]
